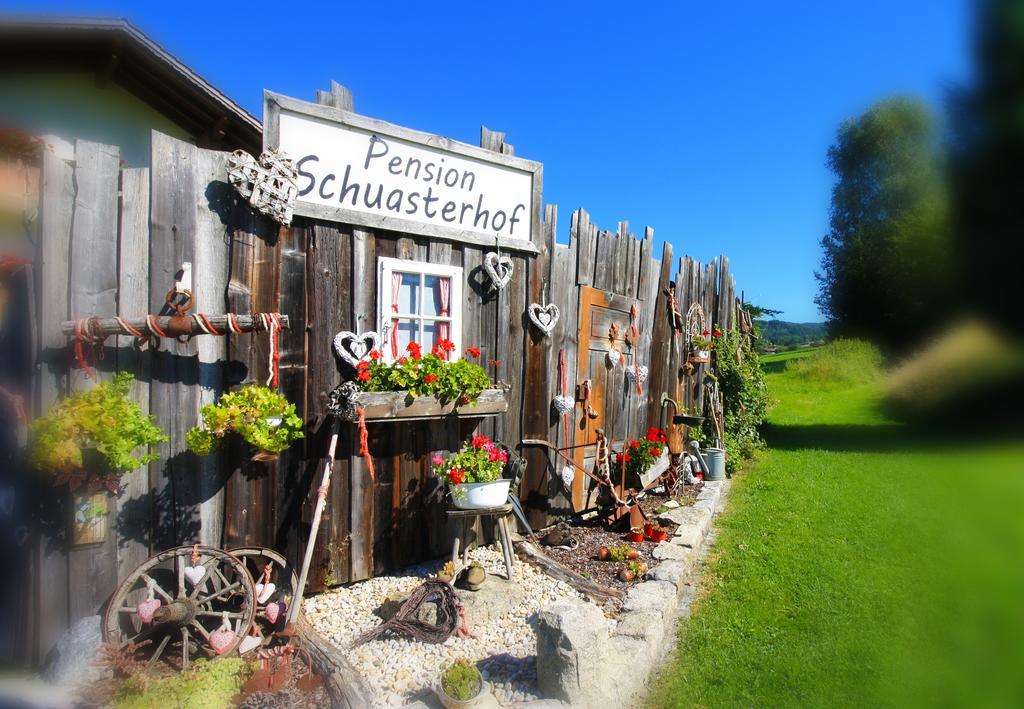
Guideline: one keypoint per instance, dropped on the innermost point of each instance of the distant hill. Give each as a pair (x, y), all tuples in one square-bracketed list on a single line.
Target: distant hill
[(787, 335)]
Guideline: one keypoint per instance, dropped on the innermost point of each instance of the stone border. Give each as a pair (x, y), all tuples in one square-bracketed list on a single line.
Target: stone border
[(579, 651)]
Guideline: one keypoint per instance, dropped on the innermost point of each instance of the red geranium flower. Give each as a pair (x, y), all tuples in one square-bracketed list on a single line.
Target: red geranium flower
[(705, 333), (717, 333), (375, 355), (456, 475), (403, 360), (363, 376), (446, 345), (430, 379), (480, 441), (494, 362), (473, 352), (656, 452), (363, 366)]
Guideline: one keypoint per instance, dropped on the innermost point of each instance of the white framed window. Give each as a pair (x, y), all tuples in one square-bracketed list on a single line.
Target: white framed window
[(418, 302)]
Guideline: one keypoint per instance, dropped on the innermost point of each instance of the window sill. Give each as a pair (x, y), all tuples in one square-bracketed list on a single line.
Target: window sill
[(394, 406)]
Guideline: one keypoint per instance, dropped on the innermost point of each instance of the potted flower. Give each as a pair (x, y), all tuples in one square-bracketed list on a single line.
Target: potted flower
[(632, 570), (655, 532), (260, 415), (635, 534), (460, 685), (474, 474), (447, 572), (619, 552), (638, 456), (424, 385), (88, 440)]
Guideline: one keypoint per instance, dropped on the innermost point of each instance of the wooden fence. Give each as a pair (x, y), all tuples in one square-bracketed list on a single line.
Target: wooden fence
[(113, 240)]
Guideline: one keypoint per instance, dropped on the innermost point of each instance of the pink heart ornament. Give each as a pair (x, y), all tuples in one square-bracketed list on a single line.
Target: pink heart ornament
[(273, 611), (146, 609), (251, 642), (264, 591), (221, 640), (195, 574)]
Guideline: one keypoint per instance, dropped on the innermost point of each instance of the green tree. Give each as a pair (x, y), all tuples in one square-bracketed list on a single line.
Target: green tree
[(886, 259), (987, 173)]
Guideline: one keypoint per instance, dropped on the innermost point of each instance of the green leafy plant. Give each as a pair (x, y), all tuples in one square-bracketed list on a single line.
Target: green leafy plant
[(91, 437), (744, 397), (638, 456), (461, 680), (636, 568), (205, 684), (260, 415), (619, 552), (429, 374), (479, 460)]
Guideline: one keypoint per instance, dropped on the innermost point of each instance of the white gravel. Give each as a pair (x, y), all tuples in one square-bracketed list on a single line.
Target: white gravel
[(397, 669)]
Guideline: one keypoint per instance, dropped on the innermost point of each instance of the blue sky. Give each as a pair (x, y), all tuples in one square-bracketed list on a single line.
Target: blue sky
[(708, 121)]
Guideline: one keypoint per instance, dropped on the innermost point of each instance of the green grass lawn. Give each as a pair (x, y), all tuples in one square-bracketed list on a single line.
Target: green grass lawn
[(859, 563)]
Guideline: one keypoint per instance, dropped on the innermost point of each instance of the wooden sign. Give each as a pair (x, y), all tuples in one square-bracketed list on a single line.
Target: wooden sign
[(364, 171)]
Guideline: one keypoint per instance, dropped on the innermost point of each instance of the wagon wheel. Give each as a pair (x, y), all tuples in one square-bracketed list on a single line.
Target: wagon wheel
[(282, 576), (179, 630)]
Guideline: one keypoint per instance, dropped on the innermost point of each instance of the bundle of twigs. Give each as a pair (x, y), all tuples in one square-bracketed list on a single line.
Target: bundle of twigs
[(407, 622)]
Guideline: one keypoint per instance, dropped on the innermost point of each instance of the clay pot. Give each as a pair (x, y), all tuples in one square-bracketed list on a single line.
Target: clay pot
[(626, 575), (634, 536), (603, 554)]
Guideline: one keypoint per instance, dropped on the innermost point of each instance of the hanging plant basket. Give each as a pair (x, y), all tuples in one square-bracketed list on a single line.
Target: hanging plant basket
[(91, 439), (699, 356), (400, 405), (691, 421), (260, 415)]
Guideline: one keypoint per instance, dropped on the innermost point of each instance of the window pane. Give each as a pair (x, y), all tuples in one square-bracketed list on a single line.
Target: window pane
[(409, 293), (408, 331), (435, 330), (437, 300)]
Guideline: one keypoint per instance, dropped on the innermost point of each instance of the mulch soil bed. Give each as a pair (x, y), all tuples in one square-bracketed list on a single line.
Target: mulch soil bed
[(585, 559)]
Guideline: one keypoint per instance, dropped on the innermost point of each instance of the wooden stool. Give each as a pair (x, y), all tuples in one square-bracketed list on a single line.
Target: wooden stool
[(464, 520)]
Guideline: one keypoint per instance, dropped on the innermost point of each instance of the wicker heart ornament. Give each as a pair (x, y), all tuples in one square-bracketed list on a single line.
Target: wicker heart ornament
[(273, 611), (563, 405), (544, 317), (637, 374), (269, 184), (355, 348), (498, 269)]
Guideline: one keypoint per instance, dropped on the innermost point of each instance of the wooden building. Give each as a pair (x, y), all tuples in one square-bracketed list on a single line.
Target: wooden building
[(114, 240)]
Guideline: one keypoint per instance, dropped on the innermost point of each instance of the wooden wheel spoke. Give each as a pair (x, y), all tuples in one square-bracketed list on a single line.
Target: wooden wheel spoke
[(218, 594), (156, 587), (184, 648), (143, 634), (179, 565), (220, 614), (201, 629), (159, 650)]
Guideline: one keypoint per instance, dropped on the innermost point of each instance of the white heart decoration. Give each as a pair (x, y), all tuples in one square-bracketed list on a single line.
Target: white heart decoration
[(221, 640), (543, 316), (498, 268), (250, 642), (195, 574), (264, 591), (146, 609), (355, 348), (633, 372), (613, 356), (568, 475), (273, 611)]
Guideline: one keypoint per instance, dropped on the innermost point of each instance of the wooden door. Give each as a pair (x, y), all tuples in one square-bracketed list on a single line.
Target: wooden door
[(611, 394)]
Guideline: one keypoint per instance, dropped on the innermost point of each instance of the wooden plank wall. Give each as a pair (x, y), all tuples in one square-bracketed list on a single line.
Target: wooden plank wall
[(114, 240)]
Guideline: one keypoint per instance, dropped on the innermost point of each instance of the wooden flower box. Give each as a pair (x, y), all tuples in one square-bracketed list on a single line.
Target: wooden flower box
[(659, 467), (395, 406)]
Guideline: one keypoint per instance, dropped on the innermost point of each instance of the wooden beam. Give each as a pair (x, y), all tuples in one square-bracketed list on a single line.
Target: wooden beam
[(110, 326)]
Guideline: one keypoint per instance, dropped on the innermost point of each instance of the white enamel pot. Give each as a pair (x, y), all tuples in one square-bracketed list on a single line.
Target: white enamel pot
[(475, 496)]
